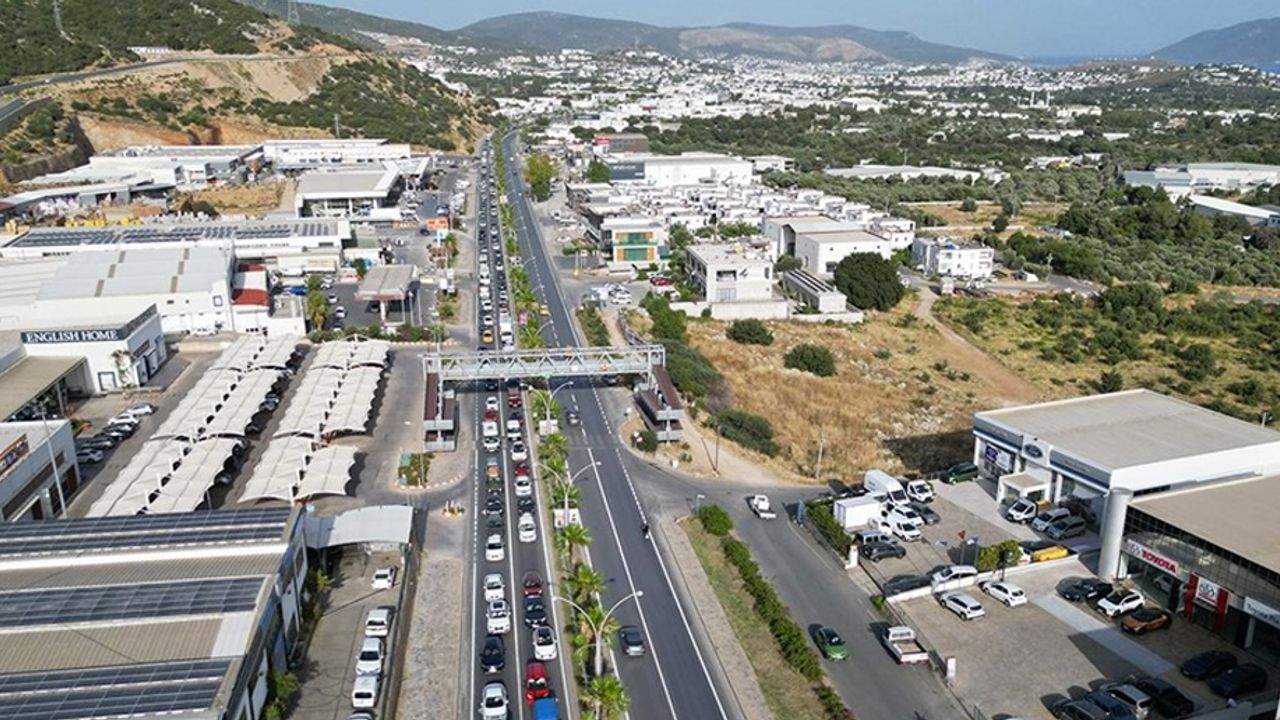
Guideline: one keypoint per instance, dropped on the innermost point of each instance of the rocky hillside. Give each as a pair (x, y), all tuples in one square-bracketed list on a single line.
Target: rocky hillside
[(1248, 43)]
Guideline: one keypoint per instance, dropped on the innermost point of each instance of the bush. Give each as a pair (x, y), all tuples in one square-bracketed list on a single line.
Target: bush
[(715, 520), (869, 281), (593, 327), (831, 530), (692, 373), (832, 706), (989, 556), (750, 431), (815, 359), (648, 441), (750, 332)]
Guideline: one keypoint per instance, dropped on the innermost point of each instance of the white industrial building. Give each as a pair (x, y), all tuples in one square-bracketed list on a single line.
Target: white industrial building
[(301, 154), (122, 347), (1252, 214), (904, 172), (29, 452), (828, 241), (729, 273), (349, 193), (691, 168), (947, 257), (821, 252), (1201, 178)]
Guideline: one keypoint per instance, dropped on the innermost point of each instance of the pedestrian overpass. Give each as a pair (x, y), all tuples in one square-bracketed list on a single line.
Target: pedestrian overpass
[(646, 361)]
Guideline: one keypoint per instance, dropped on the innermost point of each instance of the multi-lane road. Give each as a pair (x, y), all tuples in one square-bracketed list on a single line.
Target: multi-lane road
[(674, 678)]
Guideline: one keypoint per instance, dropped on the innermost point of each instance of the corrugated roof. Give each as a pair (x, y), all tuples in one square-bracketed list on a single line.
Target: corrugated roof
[(1130, 428), (242, 565), (1238, 515), (58, 649)]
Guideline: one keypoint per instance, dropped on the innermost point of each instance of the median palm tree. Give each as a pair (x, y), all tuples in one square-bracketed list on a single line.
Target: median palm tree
[(542, 405), (608, 696), (585, 583), (563, 493), (553, 446), (600, 628), (572, 537), (531, 335)]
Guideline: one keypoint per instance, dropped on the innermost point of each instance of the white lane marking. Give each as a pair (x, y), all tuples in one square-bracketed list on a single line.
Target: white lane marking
[(626, 569)]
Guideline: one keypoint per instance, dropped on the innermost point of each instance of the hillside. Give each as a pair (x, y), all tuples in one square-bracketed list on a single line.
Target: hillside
[(1248, 43), (352, 24), (97, 33), (557, 31)]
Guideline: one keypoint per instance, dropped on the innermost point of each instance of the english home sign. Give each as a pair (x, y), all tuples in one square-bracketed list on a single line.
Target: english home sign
[(87, 335)]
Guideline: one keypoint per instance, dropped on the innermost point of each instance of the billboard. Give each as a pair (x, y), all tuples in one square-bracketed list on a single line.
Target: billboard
[(626, 171)]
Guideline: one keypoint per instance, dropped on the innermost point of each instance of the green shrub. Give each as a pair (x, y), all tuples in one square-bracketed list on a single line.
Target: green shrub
[(648, 441), (750, 431), (715, 520), (832, 706), (750, 332), (815, 359), (989, 556), (831, 530), (869, 281), (692, 373), (593, 327)]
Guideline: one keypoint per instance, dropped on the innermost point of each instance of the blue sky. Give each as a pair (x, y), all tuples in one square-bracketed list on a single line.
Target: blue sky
[(1028, 28)]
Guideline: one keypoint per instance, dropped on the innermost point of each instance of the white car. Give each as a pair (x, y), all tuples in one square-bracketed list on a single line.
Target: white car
[(140, 409), (494, 550), (364, 694), (1022, 511), (384, 578), (491, 443), (1049, 517), (89, 456), (519, 452), (1121, 602), (378, 622), (953, 572), (544, 643), (498, 617), (920, 491), (340, 312), (528, 532), (369, 661), (524, 486), (494, 587), (903, 514), (493, 702), (962, 604), (491, 403), (1006, 592)]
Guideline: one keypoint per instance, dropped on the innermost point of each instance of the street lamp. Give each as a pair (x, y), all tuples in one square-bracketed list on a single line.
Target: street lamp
[(572, 479), (604, 621), (552, 395)]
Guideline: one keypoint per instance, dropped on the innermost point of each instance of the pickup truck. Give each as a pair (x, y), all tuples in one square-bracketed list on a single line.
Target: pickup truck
[(903, 646), (760, 505)]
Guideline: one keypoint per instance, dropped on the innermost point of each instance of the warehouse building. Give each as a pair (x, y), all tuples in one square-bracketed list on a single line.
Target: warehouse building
[(32, 454), (1112, 452), (691, 168), (369, 194), (122, 347), (149, 616)]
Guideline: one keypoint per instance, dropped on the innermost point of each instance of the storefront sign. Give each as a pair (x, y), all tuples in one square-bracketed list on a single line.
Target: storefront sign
[(1032, 451), (84, 335), (626, 171), (17, 450), (1151, 557), (998, 457), (1265, 613), (1207, 592)]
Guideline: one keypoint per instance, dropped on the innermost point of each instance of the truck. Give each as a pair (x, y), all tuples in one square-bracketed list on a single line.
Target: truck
[(760, 505), (901, 642), (884, 486), (858, 512), (546, 709)]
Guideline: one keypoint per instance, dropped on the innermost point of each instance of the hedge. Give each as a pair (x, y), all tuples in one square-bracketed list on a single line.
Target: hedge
[(750, 431), (830, 528), (593, 327), (791, 640), (715, 520)]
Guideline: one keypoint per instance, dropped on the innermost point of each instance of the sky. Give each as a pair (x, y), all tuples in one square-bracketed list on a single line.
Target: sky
[(1024, 28)]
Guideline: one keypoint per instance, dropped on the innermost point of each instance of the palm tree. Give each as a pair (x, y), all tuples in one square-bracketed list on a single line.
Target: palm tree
[(585, 583), (542, 405), (531, 335), (317, 309), (551, 446), (563, 493), (572, 537), (609, 697), (601, 628)]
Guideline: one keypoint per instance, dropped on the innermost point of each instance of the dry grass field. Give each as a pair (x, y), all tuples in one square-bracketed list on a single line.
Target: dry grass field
[(1031, 215), (898, 400)]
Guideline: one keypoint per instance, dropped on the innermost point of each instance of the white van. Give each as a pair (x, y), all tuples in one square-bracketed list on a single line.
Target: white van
[(902, 528), (881, 484)]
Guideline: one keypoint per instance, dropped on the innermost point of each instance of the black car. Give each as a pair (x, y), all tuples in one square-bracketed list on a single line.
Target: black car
[(495, 523), (493, 656), (1239, 681), (1168, 700), (491, 385), (572, 418), (631, 640), (903, 583), (925, 512), (526, 504), (535, 611), (494, 507), (1086, 589), (876, 551), (1208, 664)]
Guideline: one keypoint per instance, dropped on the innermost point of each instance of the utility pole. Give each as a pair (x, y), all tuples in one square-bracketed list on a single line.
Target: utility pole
[(291, 14), (822, 445), (337, 130)]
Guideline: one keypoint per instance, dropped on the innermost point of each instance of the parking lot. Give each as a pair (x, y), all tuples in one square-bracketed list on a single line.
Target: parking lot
[(1019, 661)]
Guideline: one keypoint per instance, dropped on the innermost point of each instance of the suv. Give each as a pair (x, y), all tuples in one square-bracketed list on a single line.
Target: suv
[(954, 572), (1067, 527), (962, 472), (876, 551), (1042, 521)]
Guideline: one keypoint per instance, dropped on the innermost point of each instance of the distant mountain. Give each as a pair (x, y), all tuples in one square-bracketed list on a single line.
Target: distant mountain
[(557, 31), (1255, 43), (352, 24)]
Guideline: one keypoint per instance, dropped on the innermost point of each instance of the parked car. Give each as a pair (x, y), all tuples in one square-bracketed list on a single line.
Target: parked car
[(491, 469), (962, 604), (1067, 527), (1022, 511), (1050, 552), (1042, 521), (1145, 620), (384, 578), (919, 491), (493, 506), (1208, 664), (925, 512), (1006, 592), (142, 408), (493, 655), (89, 456), (1138, 702), (631, 640), (962, 472), (544, 643), (953, 572), (877, 551), (1120, 602), (1115, 708), (493, 702), (1167, 699), (377, 623), (829, 643), (1086, 589), (519, 451), (494, 549), (364, 693), (903, 583), (1069, 709), (369, 660), (1239, 681)]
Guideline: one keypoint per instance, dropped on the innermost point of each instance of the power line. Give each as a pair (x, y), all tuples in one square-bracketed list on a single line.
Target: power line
[(291, 12)]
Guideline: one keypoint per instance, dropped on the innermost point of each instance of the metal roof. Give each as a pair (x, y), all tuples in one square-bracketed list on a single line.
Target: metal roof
[(1236, 515), (386, 282), (49, 649), (30, 378), (1131, 428), (229, 231)]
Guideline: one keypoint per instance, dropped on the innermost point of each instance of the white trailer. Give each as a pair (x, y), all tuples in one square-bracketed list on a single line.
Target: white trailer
[(858, 512)]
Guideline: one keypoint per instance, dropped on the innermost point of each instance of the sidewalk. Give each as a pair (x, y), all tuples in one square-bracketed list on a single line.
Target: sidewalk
[(430, 686)]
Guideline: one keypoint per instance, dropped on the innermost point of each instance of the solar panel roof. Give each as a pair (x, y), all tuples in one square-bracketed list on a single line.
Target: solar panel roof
[(169, 538), (108, 702), (216, 596), (143, 673), (144, 523)]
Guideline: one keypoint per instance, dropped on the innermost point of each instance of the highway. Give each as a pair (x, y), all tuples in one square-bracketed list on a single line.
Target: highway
[(519, 557), (673, 679)]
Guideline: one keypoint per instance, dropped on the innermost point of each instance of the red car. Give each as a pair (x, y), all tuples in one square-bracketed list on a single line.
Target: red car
[(659, 281), (522, 469), (536, 685), (532, 583), (513, 397), (491, 416)]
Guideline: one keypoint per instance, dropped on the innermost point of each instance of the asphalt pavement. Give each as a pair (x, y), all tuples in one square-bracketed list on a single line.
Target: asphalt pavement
[(673, 678)]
